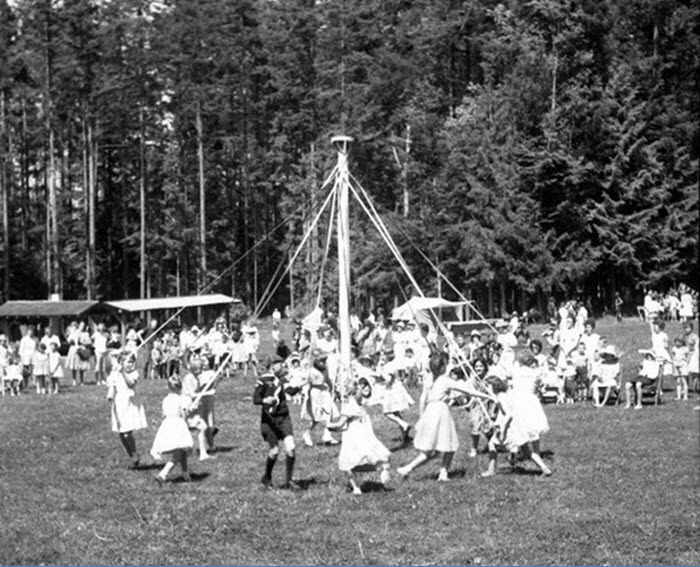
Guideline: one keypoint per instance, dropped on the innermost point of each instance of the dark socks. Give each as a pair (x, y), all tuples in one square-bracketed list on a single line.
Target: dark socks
[(289, 463), (269, 465)]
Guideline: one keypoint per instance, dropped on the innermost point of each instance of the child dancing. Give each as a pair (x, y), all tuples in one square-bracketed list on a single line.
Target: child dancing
[(127, 415), (435, 430), (275, 423), (173, 442), (359, 446)]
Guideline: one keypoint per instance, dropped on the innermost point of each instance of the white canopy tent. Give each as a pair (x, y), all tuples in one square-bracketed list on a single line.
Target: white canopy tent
[(418, 309)]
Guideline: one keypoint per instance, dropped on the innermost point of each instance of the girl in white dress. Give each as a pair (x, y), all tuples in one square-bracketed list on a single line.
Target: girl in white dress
[(680, 355), (660, 347), (127, 415), (359, 446), (55, 368), (693, 344), (317, 406), (173, 441), (435, 430), (522, 420)]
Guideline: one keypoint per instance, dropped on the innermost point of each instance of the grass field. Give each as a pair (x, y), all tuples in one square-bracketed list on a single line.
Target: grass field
[(624, 491)]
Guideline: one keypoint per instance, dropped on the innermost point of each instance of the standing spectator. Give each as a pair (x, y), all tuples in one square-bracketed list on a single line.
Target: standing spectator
[(687, 307), (49, 338), (99, 341), (40, 368), (693, 344), (276, 316), (4, 355), (672, 305), (27, 348), (55, 368), (618, 306), (551, 309)]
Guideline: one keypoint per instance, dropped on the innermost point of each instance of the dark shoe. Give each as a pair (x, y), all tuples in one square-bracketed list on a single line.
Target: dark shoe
[(290, 485), (266, 482)]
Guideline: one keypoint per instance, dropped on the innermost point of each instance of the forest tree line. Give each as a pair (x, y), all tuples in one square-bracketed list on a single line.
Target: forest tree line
[(528, 148)]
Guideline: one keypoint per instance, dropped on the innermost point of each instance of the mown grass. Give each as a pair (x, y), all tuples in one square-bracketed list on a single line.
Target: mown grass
[(625, 491)]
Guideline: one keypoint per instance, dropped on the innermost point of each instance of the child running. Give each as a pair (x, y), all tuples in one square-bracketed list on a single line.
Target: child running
[(127, 415), (173, 441), (521, 420), (359, 446), (435, 430)]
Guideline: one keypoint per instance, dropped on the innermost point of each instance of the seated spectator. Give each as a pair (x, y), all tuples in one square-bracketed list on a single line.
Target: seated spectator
[(605, 374), (648, 374)]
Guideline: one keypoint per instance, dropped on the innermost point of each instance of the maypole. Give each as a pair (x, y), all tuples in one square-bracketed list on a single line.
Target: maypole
[(341, 144)]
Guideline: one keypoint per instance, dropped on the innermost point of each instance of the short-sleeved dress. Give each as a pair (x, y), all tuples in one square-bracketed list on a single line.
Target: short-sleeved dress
[(529, 420), (173, 433), (359, 445), (435, 430), (127, 414), (393, 394), (317, 402)]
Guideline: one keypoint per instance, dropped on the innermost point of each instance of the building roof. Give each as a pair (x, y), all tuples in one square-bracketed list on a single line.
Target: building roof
[(136, 305), (46, 308)]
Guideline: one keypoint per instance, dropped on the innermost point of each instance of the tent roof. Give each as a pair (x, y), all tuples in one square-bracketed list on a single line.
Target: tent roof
[(46, 308), (416, 304), (135, 305)]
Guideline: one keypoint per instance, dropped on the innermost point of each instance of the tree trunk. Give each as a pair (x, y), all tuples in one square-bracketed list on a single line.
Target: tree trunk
[(89, 183), (24, 181), (142, 207), (202, 200), (502, 292), (54, 259), (5, 158), (490, 298)]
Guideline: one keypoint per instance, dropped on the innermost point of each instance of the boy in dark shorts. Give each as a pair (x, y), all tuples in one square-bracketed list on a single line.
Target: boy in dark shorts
[(271, 392)]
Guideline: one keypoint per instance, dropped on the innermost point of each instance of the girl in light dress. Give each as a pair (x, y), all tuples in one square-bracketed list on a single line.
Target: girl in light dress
[(680, 355), (520, 420), (317, 406), (239, 355), (359, 446), (127, 415), (693, 344), (55, 368), (659, 345), (40, 368), (173, 441), (13, 373), (435, 430), (393, 394), (569, 338), (478, 418)]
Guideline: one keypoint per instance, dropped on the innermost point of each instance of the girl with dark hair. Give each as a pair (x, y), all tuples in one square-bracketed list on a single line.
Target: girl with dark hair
[(435, 430)]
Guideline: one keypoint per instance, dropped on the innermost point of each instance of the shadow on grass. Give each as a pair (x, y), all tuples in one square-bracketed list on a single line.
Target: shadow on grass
[(223, 448), (374, 486), (194, 477), (306, 483), (148, 467)]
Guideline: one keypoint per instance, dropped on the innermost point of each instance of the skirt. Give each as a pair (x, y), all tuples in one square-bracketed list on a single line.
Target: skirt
[(318, 406), (127, 415), (361, 447), (529, 421), (435, 430), (173, 434), (75, 362), (395, 398)]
